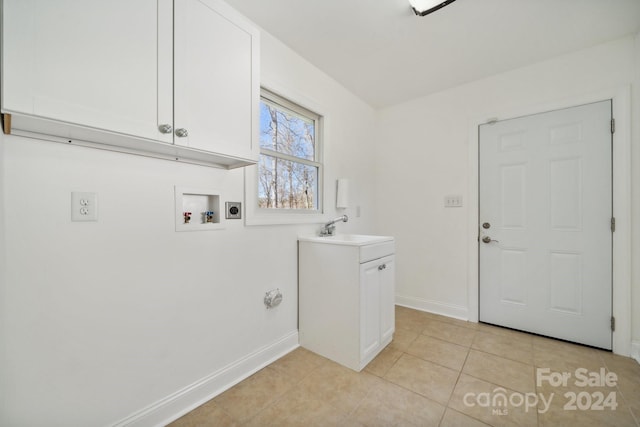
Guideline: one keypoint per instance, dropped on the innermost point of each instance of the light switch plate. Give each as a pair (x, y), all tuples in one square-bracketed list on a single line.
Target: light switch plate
[(84, 206)]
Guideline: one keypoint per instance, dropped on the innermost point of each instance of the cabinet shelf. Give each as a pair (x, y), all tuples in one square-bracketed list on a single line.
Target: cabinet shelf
[(66, 133)]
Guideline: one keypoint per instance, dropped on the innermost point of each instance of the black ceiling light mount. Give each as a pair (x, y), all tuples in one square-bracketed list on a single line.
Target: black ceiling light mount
[(425, 7)]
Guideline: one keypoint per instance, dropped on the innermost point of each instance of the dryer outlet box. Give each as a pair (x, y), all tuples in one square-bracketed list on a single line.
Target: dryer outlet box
[(233, 210)]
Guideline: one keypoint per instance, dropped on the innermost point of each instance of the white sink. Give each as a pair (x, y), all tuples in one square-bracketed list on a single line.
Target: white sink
[(347, 239)]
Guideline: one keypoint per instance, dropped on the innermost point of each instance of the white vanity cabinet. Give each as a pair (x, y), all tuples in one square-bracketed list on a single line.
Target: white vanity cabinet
[(172, 79), (346, 297)]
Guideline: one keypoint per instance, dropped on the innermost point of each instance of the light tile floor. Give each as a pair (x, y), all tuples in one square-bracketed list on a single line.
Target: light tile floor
[(437, 371)]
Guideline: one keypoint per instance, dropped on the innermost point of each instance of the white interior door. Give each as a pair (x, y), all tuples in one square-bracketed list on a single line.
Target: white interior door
[(545, 242)]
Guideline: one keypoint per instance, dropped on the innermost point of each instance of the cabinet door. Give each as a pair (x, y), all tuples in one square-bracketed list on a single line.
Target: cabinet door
[(87, 62), (216, 79), (369, 308), (387, 299)]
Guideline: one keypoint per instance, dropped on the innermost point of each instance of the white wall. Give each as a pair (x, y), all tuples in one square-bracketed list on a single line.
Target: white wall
[(101, 320), (3, 269), (635, 206), (423, 155)]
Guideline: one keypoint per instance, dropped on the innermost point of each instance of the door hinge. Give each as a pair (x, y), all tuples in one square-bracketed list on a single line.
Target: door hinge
[(613, 125), (613, 323), (613, 224)]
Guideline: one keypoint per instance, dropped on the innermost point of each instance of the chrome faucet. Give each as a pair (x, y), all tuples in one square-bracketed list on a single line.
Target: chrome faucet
[(329, 228)]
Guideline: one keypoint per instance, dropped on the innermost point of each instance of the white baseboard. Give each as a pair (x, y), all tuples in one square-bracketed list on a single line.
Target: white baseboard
[(635, 350), (435, 307), (181, 402)]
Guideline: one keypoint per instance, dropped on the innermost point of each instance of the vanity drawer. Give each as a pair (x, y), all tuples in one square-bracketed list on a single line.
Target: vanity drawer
[(376, 250)]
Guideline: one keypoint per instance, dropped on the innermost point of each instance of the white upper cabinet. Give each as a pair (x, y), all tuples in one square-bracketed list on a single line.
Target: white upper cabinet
[(216, 77), (91, 63), (179, 82)]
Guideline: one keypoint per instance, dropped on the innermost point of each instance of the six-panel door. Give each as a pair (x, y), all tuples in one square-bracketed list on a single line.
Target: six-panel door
[(545, 224)]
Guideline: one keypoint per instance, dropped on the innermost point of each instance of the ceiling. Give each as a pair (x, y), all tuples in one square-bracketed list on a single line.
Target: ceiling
[(383, 53)]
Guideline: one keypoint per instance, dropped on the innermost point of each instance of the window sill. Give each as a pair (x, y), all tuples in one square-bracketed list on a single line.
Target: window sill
[(260, 216)]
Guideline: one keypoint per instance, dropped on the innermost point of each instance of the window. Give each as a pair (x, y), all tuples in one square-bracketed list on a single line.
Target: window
[(289, 169)]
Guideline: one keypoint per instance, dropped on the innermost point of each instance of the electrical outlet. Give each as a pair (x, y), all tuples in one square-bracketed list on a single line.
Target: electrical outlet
[(453, 201), (84, 206), (233, 210)]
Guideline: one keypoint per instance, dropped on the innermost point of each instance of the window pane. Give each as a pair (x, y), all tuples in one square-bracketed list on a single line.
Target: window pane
[(286, 185), (286, 132)]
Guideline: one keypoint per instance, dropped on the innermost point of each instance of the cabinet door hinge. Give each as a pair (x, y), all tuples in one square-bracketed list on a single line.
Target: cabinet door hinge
[(613, 224), (613, 125), (613, 323)]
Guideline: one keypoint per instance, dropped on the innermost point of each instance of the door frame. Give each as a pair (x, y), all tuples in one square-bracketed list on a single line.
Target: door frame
[(621, 156)]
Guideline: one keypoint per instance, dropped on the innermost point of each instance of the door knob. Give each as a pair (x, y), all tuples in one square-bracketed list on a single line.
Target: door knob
[(165, 128), (488, 239), (181, 133)]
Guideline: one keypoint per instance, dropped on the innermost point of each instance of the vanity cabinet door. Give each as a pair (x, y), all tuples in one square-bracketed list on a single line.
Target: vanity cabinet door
[(369, 308), (377, 309), (93, 63), (387, 299), (216, 81)]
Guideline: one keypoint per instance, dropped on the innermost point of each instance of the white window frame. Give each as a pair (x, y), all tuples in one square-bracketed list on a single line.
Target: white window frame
[(254, 215)]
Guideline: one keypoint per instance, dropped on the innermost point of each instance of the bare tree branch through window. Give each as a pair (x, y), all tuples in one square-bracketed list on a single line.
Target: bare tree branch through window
[(288, 169)]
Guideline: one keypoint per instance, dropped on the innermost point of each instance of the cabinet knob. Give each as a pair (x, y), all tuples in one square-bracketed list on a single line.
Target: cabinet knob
[(165, 128), (181, 133), (382, 267)]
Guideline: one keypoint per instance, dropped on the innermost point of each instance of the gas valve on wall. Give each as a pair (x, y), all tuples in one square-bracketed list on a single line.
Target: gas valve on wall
[(273, 298)]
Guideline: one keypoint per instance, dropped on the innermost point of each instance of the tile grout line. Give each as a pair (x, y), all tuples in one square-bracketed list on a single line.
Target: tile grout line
[(412, 391), (403, 352), (294, 384), (468, 348), (535, 380), (633, 415), (454, 389), (296, 380)]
